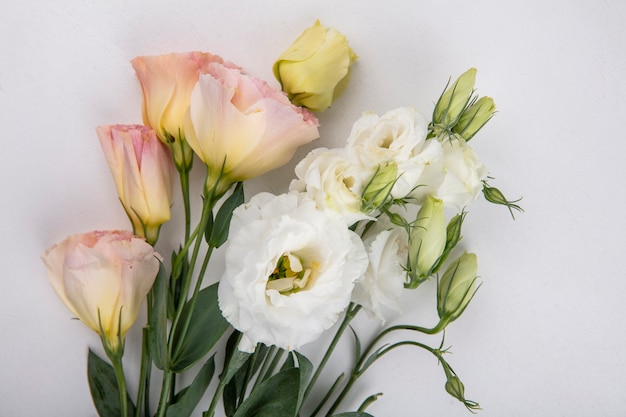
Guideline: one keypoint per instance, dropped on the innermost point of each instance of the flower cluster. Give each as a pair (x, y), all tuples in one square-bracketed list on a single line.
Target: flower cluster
[(359, 225)]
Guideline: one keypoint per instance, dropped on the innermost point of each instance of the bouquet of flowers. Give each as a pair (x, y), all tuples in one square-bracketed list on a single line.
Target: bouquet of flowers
[(358, 227)]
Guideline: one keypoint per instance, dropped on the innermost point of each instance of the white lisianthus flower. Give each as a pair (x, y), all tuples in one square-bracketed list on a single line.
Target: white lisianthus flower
[(456, 178), (290, 270), (399, 136), (380, 288), (333, 181)]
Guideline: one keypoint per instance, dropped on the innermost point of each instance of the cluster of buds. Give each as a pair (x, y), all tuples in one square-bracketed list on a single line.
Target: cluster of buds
[(459, 111)]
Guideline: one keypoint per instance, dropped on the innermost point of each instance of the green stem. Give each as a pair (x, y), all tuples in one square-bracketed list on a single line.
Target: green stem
[(192, 300), (121, 383), (266, 364), (144, 376), (168, 378), (351, 312), (184, 186), (222, 383), (358, 369)]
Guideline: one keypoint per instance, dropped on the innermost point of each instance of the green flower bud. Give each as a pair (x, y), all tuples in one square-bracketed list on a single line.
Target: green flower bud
[(475, 117), (454, 100), (427, 241), (455, 388), (453, 237), (378, 189), (495, 196), (457, 287), (315, 69)]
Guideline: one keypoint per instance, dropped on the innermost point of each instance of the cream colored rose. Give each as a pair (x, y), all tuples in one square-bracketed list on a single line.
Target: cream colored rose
[(380, 288), (456, 178), (398, 136), (103, 277), (329, 178)]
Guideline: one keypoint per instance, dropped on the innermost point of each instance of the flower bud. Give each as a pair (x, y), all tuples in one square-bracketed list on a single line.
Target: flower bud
[(475, 117), (315, 69), (457, 287), (427, 241), (379, 188), (454, 100), (143, 172), (455, 388)]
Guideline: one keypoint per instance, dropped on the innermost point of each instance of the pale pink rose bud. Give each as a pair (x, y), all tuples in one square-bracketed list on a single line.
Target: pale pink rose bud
[(241, 127), (143, 172), (166, 82), (103, 277)]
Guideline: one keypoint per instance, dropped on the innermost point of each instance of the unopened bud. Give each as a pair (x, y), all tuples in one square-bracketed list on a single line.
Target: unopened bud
[(427, 241), (378, 189), (475, 117), (457, 287), (454, 100)]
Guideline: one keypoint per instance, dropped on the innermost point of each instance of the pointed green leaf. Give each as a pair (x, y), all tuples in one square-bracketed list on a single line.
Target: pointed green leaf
[(277, 396), (306, 370), (157, 320), (236, 387), (219, 231), (103, 387), (189, 398), (206, 327)]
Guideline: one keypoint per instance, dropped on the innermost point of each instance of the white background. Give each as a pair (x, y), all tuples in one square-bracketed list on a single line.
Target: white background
[(545, 335)]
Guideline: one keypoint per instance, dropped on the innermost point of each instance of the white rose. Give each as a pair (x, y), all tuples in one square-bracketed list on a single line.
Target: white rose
[(398, 136), (456, 178), (379, 290), (336, 184), (290, 270)]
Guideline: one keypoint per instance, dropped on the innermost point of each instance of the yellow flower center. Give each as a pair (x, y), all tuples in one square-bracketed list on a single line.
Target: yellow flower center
[(289, 276)]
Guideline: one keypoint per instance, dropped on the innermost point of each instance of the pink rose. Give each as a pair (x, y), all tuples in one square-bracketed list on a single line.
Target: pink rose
[(103, 277), (241, 127), (143, 172), (166, 82)]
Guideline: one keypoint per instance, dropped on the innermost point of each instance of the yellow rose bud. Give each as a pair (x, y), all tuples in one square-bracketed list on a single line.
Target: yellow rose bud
[(315, 69), (427, 241), (454, 100), (457, 287), (475, 117)]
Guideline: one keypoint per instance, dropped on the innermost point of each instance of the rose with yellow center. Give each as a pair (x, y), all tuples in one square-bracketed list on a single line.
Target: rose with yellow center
[(290, 270)]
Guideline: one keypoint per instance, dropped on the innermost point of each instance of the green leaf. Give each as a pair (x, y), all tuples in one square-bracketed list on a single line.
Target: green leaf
[(275, 397), (206, 327), (353, 414), (219, 231), (209, 227), (190, 396), (306, 370), (236, 376), (157, 320), (235, 390), (180, 268), (104, 388)]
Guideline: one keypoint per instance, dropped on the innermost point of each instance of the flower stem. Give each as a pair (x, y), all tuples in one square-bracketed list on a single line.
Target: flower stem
[(144, 376), (121, 383), (184, 186), (168, 378), (351, 312)]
